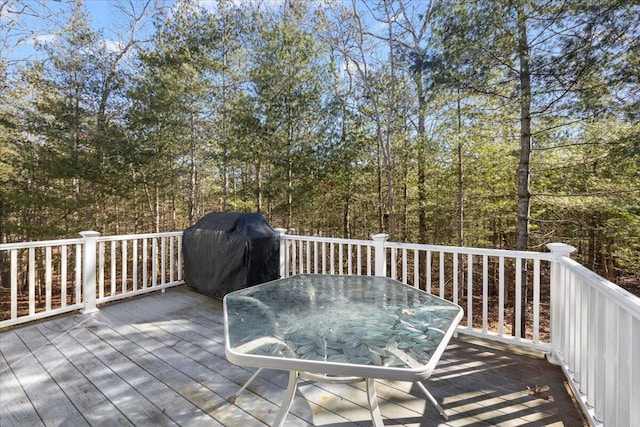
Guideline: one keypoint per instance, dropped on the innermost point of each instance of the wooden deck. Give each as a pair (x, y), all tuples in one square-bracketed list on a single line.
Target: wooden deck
[(159, 360)]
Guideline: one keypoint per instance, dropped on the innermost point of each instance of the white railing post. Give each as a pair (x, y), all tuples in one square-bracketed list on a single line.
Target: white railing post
[(381, 254), (89, 271), (283, 251), (558, 250)]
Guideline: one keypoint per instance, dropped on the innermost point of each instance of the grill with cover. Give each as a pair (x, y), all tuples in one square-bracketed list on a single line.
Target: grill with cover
[(227, 251)]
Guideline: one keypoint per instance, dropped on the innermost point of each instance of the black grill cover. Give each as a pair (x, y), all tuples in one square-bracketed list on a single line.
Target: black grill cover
[(227, 251)]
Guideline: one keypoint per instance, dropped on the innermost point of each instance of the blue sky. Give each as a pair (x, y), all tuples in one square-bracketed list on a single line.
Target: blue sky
[(47, 16), (44, 17)]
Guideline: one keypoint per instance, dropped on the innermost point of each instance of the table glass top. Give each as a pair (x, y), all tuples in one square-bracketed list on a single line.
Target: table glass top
[(361, 320)]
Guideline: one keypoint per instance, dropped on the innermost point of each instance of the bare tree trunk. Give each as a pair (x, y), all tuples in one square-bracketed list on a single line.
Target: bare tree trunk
[(289, 173), (346, 220), (259, 185), (418, 30), (4, 255), (524, 195), (193, 178), (460, 194), (387, 207), (174, 222), (157, 210), (460, 179), (388, 160), (405, 200), (136, 210), (225, 136), (422, 168), (75, 181), (381, 226), (225, 181)]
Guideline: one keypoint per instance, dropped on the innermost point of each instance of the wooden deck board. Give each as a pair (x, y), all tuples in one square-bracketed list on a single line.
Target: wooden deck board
[(148, 376), (15, 406), (159, 360), (200, 369), (82, 394), (49, 400), (131, 388)]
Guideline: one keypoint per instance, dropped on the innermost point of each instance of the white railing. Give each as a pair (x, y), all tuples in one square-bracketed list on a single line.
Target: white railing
[(585, 323), (32, 277), (324, 255), (486, 282), (596, 340), (148, 262), (52, 277)]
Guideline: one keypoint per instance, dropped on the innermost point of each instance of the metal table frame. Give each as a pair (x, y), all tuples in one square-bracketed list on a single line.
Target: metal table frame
[(325, 371)]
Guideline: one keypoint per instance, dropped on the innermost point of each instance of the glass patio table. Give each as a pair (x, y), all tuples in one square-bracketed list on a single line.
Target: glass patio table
[(339, 329)]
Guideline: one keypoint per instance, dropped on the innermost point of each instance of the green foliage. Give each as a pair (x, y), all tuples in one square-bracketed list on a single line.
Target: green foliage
[(289, 77), (313, 115)]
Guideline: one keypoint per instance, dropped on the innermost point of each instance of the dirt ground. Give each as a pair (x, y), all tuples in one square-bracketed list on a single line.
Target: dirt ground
[(631, 284)]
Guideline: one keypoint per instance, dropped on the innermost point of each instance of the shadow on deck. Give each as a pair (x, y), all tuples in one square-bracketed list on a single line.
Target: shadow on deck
[(159, 360)]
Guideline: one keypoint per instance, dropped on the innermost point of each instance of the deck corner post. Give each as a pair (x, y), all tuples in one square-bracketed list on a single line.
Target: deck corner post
[(380, 253), (557, 285), (89, 271), (283, 251)]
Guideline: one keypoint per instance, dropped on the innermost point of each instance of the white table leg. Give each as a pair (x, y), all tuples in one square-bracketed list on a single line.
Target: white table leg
[(432, 400), (288, 399), (373, 403), (233, 398)]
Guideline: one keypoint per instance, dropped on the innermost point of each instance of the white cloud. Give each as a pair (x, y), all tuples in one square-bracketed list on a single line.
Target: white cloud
[(112, 46), (44, 38), (212, 5)]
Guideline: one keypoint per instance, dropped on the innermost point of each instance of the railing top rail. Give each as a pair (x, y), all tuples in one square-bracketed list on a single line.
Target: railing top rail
[(138, 236), (329, 240), (547, 256), (80, 240), (621, 296), (40, 244)]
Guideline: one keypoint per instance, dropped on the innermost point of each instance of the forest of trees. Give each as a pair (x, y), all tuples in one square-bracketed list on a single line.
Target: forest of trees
[(486, 123)]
